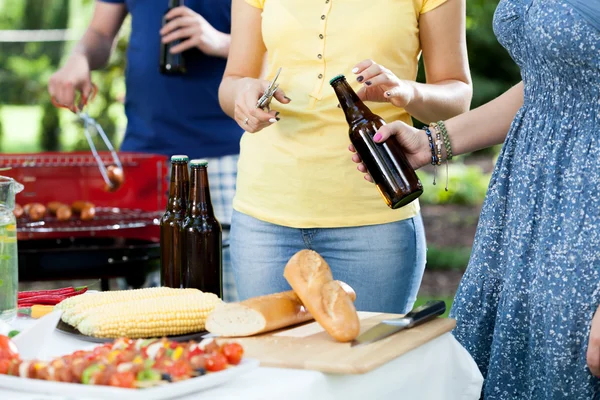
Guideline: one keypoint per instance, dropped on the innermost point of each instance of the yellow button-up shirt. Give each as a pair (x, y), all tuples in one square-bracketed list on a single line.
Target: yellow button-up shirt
[(298, 172)]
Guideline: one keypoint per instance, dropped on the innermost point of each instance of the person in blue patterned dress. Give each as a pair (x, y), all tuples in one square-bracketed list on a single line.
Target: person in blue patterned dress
[(526, 308)]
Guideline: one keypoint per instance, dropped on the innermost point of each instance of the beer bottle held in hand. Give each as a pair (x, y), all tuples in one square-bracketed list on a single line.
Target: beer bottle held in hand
[(171, 249), (393, 175), (202, 236), (171, 64)]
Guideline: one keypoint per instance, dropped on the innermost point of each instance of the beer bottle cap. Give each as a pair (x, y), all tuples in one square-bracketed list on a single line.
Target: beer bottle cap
[(179, 158), (336, 78), (199, 163)]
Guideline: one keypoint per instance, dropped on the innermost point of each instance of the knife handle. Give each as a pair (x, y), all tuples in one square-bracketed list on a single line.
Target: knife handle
[(426, 312)]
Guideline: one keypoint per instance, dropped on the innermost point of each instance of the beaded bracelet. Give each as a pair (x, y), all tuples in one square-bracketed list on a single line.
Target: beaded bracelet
[(434, 158), (438, 144)]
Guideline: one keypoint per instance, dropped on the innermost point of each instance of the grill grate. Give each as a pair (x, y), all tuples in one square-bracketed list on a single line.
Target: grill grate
[(106, 219)]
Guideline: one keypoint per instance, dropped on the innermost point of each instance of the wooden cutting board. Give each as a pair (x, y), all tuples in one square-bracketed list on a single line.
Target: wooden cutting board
[(309, 347)]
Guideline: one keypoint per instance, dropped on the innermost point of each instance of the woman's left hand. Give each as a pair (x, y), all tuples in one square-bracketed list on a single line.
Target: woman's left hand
[(381, 85), (193, 31), (593, 351)]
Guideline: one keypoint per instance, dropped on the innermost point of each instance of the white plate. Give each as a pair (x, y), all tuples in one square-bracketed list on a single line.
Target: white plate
[(167, 391)]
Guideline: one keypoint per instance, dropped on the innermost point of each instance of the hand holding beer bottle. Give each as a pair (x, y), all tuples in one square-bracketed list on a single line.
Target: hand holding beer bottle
[(412, 141), (387, 164), (185, 29)]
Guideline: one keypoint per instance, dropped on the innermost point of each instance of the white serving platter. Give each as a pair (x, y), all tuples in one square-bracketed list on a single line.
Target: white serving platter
[(173, 390)]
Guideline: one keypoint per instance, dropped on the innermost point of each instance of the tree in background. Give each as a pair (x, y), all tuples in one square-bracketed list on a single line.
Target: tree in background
[(492, 69), (27, 64)]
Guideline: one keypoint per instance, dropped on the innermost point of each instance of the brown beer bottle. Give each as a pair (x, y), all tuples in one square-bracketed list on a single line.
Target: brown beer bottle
[(202, 236), (171, 64), (170, 224), (394, 177)]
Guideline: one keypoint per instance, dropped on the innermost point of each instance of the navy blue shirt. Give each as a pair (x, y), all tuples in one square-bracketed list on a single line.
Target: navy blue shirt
[(175, 114)]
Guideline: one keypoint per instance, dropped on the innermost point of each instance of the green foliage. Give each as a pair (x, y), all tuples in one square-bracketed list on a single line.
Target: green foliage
[(50, 128), (448, 258), (448, 298), (492, 69), (467, 185)]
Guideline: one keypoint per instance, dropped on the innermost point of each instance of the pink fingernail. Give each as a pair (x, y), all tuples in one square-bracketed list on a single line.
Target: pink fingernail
[(377, 137)]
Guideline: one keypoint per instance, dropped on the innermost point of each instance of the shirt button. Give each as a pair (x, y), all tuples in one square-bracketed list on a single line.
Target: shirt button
[(319, 56), (322, 17), (321, 36), (320, 76)]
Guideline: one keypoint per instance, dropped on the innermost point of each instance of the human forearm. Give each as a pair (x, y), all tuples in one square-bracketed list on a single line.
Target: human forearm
[(95, 47), (229, 90), (225, 42), (442, 100), (487, 125)]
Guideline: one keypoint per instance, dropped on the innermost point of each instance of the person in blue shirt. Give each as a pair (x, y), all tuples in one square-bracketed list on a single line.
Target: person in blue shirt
[(166, 114)]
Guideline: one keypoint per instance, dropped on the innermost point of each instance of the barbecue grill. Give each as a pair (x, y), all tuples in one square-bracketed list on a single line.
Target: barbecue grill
[(124, 237)]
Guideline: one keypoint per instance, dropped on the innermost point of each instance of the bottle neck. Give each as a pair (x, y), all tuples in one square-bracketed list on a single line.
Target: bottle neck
[(200, 203), (178, 189), (175, 3), (353, 107)]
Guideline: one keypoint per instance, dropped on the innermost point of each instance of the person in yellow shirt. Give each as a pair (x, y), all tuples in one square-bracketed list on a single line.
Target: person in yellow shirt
[(296, 186)]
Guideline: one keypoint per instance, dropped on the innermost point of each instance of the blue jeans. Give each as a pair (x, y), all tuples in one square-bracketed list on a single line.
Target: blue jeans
[(383, 263)]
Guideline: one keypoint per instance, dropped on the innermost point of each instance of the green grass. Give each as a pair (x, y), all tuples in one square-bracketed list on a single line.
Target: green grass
[(424, 299)]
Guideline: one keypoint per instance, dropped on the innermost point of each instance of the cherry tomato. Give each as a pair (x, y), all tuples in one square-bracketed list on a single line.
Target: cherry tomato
[(180, 369), (122, 379), (5, 366), (216, 362), (198, 361), (233, 352), (8, 350), (173, 345), (196, 352)]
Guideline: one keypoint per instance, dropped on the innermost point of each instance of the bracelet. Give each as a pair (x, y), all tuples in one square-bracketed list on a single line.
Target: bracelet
[(440, 129), (431, 146), (438, 145), (444, 131), (434, 158)]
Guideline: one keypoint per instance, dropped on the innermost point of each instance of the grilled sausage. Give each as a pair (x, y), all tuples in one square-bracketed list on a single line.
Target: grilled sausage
[(63, 213), (88, 213), (116, 178), (18, 211), (79, 205), (35, 211), (53, 206)]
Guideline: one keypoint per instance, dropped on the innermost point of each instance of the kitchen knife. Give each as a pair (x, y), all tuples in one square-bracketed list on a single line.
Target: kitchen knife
[(385, 328)]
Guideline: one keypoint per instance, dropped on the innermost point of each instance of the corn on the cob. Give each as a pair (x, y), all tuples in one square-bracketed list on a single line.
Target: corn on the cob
[(145, 318), (77, 307)]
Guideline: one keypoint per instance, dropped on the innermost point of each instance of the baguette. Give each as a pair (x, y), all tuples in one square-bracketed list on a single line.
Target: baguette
[(260, 314), (310, 277)]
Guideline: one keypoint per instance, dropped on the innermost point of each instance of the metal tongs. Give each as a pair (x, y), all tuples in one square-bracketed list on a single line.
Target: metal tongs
[(87, 122), (264, 102)]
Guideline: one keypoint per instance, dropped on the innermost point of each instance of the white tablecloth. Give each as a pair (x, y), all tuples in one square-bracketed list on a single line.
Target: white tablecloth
[(439, 370)]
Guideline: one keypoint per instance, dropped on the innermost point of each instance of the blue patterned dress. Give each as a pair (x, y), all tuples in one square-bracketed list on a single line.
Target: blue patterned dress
[(525, 305)]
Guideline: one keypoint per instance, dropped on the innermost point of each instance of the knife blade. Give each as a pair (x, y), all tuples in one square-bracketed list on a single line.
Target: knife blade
[(385, 328)]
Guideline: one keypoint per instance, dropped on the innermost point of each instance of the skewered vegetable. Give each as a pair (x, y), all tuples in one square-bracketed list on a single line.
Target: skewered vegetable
[(124, 363)]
